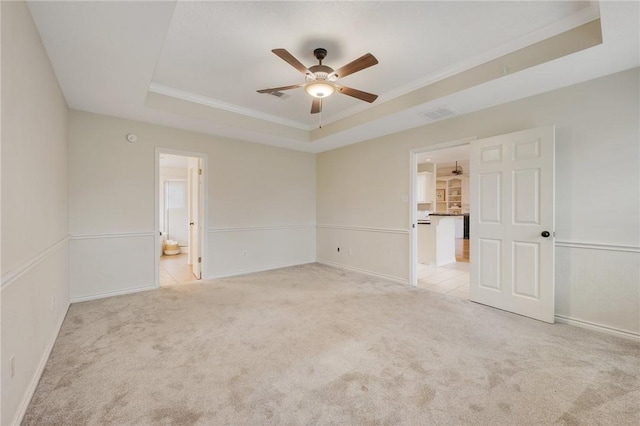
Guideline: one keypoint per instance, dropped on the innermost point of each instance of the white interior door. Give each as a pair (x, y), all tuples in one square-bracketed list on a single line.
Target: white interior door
[(195, 240), (512, 222)]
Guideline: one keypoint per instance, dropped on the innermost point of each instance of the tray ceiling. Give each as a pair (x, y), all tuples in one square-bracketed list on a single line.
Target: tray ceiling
[(197, 65)]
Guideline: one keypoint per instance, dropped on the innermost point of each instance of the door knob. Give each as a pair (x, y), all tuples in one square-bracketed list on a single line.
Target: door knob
[(191, 223), (545, 234)]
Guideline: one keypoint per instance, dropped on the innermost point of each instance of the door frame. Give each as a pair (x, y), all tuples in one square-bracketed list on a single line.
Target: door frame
[(413, 201), (204, 208)]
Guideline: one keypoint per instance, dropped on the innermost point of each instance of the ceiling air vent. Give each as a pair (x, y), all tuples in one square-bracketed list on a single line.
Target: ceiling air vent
[(280, 95), (437, 114)]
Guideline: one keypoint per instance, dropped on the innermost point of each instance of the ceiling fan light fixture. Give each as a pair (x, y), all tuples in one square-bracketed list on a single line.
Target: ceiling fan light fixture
[(320, 88)]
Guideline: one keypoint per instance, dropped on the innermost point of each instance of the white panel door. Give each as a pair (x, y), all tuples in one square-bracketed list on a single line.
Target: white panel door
[(512, 222)]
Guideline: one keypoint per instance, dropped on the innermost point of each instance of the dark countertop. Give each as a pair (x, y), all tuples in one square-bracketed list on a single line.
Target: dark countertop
[(445, 214)]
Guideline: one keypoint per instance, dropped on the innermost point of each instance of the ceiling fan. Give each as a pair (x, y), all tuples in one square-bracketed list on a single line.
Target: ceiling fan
[(320, 79), (457, 171)]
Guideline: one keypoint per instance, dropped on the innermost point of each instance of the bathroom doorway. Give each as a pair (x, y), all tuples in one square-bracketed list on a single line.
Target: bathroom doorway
[(180, 217)]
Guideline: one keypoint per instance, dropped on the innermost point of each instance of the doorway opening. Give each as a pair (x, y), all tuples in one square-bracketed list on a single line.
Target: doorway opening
[(179, 217), (440, 213)]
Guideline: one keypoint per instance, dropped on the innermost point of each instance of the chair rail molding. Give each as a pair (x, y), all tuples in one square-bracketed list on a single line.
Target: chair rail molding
[(112, 235), (365, 229), (597, 246), (12, 275)]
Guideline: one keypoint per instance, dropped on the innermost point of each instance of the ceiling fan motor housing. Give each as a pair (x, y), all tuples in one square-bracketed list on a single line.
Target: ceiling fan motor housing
[(320, 53), (321, 71)]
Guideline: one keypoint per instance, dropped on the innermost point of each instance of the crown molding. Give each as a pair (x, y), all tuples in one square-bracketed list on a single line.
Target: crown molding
[(212, 103), (586, 15)]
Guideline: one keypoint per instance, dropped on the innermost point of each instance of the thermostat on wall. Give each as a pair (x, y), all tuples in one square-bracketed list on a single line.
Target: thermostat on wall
[(131, 137)]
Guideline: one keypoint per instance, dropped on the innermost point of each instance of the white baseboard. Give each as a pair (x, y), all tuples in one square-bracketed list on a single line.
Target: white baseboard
[(363, 271), (112, 293), (22, 409), (261, 269), (598, 327)]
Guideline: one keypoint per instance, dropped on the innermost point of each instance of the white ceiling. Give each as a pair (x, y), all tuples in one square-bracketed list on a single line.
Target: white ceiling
[(197, 65)]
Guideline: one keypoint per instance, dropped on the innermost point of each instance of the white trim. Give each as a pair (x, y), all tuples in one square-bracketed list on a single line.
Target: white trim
[(180, 152), (213, 103), (598, 327), (262, 269), (443, 145), (365, 229), (26, 399), (114, 235), (363, 271), (413, 202), (598, 246), (11, 276), (413, 218), (584, 16), (260, 228), (112, 293)]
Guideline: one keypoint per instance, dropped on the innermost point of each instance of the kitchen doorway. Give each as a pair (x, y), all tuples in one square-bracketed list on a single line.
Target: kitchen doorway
[(440, 211), (180, 217)]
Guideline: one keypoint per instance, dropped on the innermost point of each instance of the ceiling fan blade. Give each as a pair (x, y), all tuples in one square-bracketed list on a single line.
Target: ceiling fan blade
[(358, 94), (316, 105), (291, 60), (361, 63), (279, 89)]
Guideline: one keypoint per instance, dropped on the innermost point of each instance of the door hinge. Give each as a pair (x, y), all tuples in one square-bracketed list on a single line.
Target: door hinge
[(199, 260), (199, 171)]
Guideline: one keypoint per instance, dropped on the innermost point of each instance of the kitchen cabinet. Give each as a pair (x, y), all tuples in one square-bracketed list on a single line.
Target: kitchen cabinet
[(423, 187), (441, 195), (437, 241), (460, 227), (452, 194)]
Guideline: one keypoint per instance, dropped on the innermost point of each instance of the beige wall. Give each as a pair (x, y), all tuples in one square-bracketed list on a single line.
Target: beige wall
[(76, 174), (597, 195), (261, 204), (35, 292)]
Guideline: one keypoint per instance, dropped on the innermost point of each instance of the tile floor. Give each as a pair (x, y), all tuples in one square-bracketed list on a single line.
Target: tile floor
[(175, 270), (451, 279)]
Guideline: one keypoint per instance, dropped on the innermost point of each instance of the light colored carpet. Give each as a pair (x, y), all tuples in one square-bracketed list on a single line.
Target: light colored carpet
[(317, 345)]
